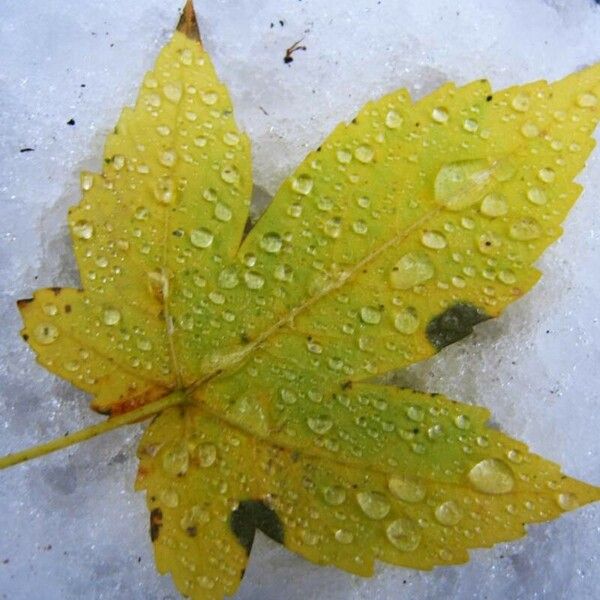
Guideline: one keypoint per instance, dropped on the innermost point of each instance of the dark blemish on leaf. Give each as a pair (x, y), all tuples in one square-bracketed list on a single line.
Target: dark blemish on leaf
[(251, 515), (354, 121), (71, 122), (25, 336), (155, 523), (347, 385), (24, 302), (248, 226), (56, 290), (489, 98), (67, 308), (454, 324), (243, 571), (26, 150), (288, 58), (244, 338), (192, 531)]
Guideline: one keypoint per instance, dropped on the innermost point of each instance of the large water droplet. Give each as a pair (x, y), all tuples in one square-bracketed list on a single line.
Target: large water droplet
[(370, 315), (407, 320), (169, 498), (364, 154), (440, 114), (111, 316), (412, 269), (271, 242), (344, 156), (393, 120), (254, 280), (207, 454), (172, 92), (302, 184), (164, 190), (175, 460), (448, 513), (45, 334), (209, 97), (567, 501), (434, 240), (537, 196), (223, 212), (231, 139), (525, 229), (547, 174), (457, 185), (403, 534), (334, 495), (201, 238), (343, 536), (492, 476), (168, 158), (320, 424), (83, 229), (494, 205), (520, 102), (228, 278), (373, 504), (406, 489), (587, 100), (229, 174)]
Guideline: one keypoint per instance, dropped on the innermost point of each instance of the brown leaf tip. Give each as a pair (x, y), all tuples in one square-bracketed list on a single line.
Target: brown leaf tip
[(188, 24)]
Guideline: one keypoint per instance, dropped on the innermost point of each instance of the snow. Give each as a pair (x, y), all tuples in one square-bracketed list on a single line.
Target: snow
[(72, 527)]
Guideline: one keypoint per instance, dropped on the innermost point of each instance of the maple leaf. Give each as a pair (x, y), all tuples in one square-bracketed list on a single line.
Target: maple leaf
[(402, 231)]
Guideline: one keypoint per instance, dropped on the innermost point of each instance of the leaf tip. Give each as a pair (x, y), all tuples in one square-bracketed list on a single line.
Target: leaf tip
[(188, 23)]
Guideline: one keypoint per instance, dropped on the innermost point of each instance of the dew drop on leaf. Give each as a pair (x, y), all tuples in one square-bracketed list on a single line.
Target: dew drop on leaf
[(45, 334), (404, 534), (448, 513), (406, 489), (412, 269), (492, 476), (374, 504)]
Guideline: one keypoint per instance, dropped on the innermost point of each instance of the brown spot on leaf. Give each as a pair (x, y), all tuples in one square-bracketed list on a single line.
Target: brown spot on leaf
[(156, 518), (188, 24)]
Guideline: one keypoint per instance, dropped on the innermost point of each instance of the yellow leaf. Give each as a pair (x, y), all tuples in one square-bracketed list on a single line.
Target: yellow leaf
[(403, 230)]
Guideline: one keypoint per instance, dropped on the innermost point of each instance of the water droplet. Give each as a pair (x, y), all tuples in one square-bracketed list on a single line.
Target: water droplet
[(373, 504), (302, 184), (406, 489), (332, 227), (320, 424), (470, 125), (200, 141), (175, 460), (370, 315), (223, 212), (492, 476), (334, 495), (111, 316), (439, 114), (216, 298), (164, 190), (231, 139), (587, 100), (343, 156), (168, 158), (87, 181), (393, 120), (228, 278), (360, 227), (314, 347), (448, 513), (343, 536), (271, 242), (507, 277), (457, 184), (547, 174), (163, 130), (537, 196), (288, 396), (407, 320), (45, 333), (434, 240), (363, 202), (520, 102), (530, 130), (283, 272), (201, 238), (435, 432), (364, 154), (525, 229), (567, 501), (83, 229), (210, 195), (186, 57), (172, 92), (488, 242), (209, 97), (494, 205), (462, 421), (207, 454), (403, 534), (118, 161), (412, 269), (229, 174), (50, 309), (254, 280), (415, 413)]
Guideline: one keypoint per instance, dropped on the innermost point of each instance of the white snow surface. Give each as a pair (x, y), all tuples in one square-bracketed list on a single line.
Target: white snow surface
[(71, 525)]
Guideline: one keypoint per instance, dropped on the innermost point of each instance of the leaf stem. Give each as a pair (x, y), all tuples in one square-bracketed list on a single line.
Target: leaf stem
[(88, 433)]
